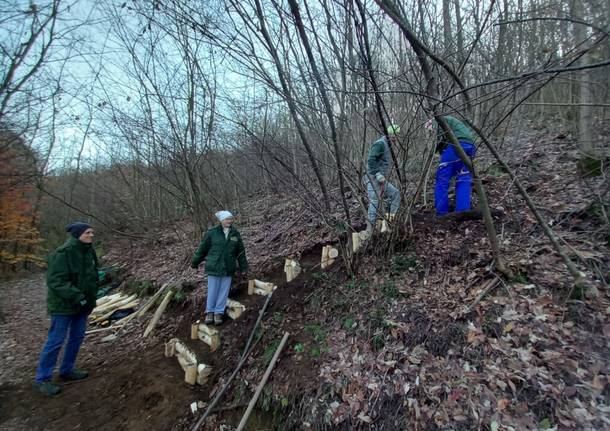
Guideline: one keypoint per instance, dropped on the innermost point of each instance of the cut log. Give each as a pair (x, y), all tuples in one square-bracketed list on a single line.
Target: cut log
[(105, 299), (292, 269), (158, 313), (210, 336), (111, 312), (234, 309), (113, 304), (333, 253)]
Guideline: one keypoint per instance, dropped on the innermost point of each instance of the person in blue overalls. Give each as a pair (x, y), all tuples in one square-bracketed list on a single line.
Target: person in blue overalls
[(377, 168), (451, 166)]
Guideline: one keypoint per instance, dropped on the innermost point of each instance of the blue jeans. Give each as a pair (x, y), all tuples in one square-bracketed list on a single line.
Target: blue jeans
[(451, 166), (373, 190), (74, 327), (218, 292)]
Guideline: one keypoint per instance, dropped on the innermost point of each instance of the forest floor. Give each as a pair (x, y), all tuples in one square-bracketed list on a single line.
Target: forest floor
[(403, 344)]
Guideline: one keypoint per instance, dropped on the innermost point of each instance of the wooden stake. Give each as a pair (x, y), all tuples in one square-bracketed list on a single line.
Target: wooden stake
[(203, 373), (262, 383), (292, 269), (356, 241), (152, 300), (251, 287), (190, 374), (324, 260), (158, 313)]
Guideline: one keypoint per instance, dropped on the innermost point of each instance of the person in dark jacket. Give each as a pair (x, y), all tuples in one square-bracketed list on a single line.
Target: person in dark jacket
[(72, 282), (221, 246), (378, 166), (451, 166)]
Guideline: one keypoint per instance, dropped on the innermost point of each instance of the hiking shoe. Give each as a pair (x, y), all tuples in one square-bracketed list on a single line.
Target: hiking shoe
[(209, 318), (218, 319), (74, 375), (48, 388)]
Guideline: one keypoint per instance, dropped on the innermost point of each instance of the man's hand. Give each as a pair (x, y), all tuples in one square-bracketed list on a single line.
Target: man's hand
[(194, 266), (380, 178)]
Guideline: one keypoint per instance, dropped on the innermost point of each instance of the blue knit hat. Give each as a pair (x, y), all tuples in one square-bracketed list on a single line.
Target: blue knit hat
[(77, 228)]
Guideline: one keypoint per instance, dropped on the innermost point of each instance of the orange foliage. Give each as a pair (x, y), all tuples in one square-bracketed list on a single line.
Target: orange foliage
[(19, 235)]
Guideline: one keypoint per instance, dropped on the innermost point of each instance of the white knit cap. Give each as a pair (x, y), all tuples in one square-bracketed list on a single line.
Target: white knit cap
[(222, 215)]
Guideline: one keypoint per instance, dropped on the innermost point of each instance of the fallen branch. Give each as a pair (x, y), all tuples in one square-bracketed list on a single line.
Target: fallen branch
[(262, 383), (489, 286)]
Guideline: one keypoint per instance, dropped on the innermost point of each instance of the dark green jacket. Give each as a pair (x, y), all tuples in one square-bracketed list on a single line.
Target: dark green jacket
[(379, 158), (72, 276), (221, 252), (460, 130)]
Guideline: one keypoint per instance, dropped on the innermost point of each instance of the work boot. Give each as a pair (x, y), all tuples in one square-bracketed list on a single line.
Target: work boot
[(48, 388), (218, 319), (74, 375), (209, 318)]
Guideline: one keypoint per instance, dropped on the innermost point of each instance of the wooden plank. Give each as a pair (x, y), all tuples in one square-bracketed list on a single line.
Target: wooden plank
[(158, 313)]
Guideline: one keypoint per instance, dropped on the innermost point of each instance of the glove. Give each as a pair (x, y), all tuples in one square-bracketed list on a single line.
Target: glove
[(380, 178), (83, 302)]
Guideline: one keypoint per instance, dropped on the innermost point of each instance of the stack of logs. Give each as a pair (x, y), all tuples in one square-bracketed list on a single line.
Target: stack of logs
[(107, 305)]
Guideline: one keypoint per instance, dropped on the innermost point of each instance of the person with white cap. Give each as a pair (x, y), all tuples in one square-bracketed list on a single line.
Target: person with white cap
[(377, 186), (221, 247)]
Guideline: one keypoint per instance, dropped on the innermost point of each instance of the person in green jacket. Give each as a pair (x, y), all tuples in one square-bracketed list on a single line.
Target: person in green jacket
[(451, 166), (221, 246), (72, 282), (378, 166)]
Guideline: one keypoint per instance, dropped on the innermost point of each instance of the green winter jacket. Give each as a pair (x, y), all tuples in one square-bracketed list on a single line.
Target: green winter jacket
[(72, 276), (460, 130), (221, 253)]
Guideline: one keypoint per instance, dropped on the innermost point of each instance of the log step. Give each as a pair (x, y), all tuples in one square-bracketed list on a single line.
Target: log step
[(194, 372)]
